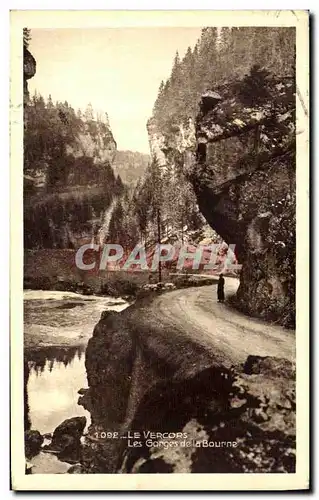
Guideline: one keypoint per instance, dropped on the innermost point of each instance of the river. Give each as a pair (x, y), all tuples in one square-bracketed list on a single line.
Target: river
[(57, 326)]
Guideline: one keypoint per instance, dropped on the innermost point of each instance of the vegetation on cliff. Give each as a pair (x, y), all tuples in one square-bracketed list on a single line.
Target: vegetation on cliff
[(130, 165), (160, 207), (232, 102), (244, 178), (78, 188), (220, 56), (68, 178), (71, 190)]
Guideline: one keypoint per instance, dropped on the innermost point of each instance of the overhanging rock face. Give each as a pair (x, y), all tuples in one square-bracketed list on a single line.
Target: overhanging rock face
[(243, 174), (29, 70)]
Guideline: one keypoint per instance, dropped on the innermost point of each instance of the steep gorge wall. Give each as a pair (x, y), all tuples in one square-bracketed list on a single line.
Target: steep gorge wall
[(144, 378), (69, 183), (240, 159), (29, 70)]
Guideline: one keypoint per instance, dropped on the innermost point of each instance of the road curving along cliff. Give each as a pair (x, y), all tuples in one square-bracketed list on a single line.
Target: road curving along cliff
[(238, 153), (182, 363)]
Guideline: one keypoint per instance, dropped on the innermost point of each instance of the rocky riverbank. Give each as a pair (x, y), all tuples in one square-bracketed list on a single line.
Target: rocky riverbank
[(145, 376), (152, 370), (215, 421)]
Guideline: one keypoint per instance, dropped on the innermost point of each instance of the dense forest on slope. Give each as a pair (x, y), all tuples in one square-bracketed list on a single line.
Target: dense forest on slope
[(73, 193), (160, 207), (239, 63), (219, 57), (73, 175), (68, 178), (77, 186), (130, 165), (165, 197), (66, 147), (232, 101)]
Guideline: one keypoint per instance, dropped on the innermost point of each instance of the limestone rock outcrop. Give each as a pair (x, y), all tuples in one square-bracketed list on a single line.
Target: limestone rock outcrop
[(244, 179), (240, 159), (143, 379), (69, 184), (29, 70)]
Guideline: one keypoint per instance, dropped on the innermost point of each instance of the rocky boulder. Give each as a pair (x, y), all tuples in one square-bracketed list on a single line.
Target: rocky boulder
[(229, 422), (33, 442), (72, 426), (66, 439), (77, 469), (143, 378)]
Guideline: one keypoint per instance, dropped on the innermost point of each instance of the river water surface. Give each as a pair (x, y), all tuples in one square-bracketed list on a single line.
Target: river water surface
[(55, 368)]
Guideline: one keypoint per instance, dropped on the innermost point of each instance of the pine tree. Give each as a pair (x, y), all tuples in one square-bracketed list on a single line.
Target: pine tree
[(89, 114), (158, 103), (253, 88), (217, 58), (26, 37), (156, 203), (209, 51), (116, 223), (50, 104)]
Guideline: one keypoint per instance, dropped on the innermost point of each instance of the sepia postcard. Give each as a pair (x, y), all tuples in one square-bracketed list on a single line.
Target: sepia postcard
[(159, 250)]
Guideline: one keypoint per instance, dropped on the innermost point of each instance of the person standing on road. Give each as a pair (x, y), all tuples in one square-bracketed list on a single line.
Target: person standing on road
[(220, 289)]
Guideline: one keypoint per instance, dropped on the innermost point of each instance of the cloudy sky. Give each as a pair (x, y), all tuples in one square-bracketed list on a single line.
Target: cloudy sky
[(116, 70)]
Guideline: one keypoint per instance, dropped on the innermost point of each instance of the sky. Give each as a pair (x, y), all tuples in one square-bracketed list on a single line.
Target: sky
[(117, 70)]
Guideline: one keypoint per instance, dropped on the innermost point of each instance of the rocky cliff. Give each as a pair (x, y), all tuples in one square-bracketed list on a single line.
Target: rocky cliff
[(145, 379), (240, 158), (29, 70), (69, 184)]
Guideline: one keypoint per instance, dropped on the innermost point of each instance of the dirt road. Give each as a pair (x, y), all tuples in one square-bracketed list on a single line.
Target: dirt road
[(230, 335)]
